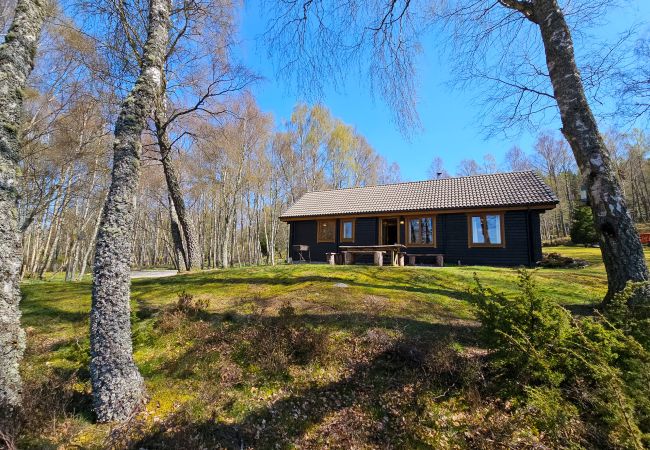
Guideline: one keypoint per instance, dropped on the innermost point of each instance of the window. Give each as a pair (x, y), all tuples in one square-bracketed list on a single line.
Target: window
[(486, 230), (347, 230), (326, 231), (421, 231)]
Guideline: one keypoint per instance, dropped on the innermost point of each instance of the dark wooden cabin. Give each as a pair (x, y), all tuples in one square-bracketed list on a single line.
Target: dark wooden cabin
[(483, 219)]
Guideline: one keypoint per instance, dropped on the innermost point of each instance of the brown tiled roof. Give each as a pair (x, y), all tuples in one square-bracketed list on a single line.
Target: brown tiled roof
[(478, 191)]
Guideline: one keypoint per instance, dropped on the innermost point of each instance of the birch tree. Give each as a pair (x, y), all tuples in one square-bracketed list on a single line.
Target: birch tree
[(497, 44), (619, 241), (118, 388), (198, 74), (16, 62)]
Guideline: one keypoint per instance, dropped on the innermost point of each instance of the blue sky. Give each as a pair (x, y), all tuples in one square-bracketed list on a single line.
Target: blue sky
[(448, 116)]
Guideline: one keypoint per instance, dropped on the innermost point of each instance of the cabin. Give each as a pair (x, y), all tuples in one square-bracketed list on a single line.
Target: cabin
[(474, 220)]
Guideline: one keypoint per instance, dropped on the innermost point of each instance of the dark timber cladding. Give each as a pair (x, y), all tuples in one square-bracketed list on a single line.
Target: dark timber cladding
[(484, 219)]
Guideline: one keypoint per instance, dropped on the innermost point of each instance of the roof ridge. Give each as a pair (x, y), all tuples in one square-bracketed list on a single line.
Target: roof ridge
[(478, 175), (524, 187)]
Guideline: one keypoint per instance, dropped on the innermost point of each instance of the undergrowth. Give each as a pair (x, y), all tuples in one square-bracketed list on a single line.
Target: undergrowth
[(580, 381), (265, 366)]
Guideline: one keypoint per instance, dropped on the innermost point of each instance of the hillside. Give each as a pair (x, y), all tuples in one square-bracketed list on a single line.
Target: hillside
[(306, 355)]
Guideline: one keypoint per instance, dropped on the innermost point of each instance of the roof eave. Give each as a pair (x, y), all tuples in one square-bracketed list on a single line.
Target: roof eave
[(522, 206)]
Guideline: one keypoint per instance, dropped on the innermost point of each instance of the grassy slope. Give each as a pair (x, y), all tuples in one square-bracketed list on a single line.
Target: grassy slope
[(212, 368)]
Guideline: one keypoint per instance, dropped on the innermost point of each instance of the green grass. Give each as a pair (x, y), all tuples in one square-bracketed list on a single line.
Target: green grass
[(221, 373)]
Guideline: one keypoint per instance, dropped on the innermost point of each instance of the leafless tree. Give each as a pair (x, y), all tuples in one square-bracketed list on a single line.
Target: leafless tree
[(523, 47), (468, 167), (517, 160), (634, 84), (437, 169)]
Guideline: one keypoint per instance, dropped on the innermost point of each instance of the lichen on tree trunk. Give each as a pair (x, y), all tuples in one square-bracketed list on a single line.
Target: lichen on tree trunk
[(118, 388), (619, 241), (16, 62)]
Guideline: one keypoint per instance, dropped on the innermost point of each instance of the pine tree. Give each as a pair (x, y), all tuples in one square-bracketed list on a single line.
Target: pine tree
[(582, 228)]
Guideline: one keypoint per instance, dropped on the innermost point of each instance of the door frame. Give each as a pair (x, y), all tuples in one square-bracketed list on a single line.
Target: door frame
[(381, 229)]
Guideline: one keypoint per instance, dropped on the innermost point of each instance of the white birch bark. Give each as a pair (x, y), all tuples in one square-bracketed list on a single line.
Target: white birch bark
[(16, 63), (118, 387)]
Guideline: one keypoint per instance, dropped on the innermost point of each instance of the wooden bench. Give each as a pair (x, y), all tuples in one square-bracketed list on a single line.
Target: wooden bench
[(348, 253), (378, 257), (440, 260), (348, 256)]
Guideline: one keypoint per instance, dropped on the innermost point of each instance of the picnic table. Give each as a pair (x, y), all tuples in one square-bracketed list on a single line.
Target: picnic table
[(396, 251)]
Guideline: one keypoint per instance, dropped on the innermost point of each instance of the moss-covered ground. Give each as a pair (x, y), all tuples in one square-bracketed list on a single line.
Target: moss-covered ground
[(305, 356)]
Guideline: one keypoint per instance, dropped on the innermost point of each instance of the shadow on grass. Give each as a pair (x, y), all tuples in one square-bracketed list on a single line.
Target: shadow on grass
[(415, 330), (582, 310), (402, 369), (289, 418), (36, 315), (280, 280)]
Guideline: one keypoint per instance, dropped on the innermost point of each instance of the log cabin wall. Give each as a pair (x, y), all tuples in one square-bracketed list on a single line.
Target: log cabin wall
[(522, 237)]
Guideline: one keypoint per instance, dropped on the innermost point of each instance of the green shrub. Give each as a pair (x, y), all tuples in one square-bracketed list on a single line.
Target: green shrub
[(522, 332), (584, 382), (547, 409), (582, 228), (629, 310)]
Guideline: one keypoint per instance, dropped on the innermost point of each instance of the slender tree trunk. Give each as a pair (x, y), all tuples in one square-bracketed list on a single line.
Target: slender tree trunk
[(225, 254), (38, 232), (619, 241), (56, 208), (193, 250), (215, 231), (118, 387), (27, 248), (74, 261), (177, 239), (57, 221), (155, 253), (569, 196), (92, 236), (16, 63)]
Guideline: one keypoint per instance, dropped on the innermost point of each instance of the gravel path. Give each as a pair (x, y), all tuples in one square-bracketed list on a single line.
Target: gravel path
[(152, 273)]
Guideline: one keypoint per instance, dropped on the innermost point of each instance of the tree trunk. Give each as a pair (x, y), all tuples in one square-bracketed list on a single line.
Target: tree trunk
[(177, 239), (16, 63), (619, 241), (225, 254), (118, 388), (193, 251), (55, 228), (92, 236)]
